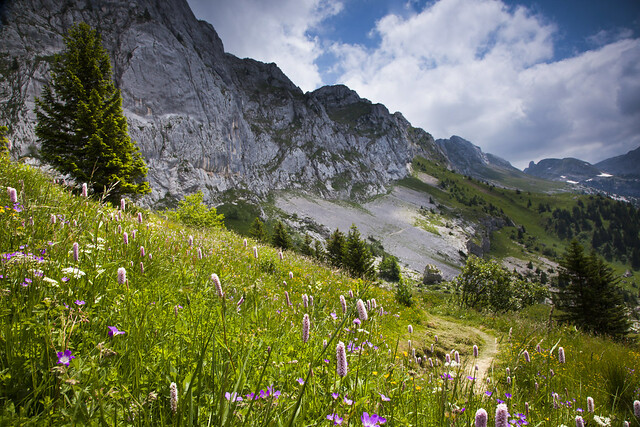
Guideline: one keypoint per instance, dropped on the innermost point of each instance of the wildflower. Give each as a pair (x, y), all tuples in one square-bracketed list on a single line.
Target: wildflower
[(65, 357), (335, 395), (481, 418), (122, 276), (350, 293), (341, 359), (447, 358), (538, 348), (526, 408), (456, 356), (502, 415), (602, 421), (475, 351), (244, 243), (305, 328), (372, 420), (287, 299), (199, 253), (141, 267), (233, 397), (356, 321), (280, 255), (348, 401), (216, 281), (509, 380), (13, 194), (141, 251), (125, 238), (636, 408), (113, 331), (305, 300), (333, 315), (291, 275), (255, 252), (53, 219), (384, 398), (122, 204), (561, 358), (410, 328), (435, 337), (79, 302), (335, 418), (591, 405), (300, 381), (239, 303), (85, 190), (173, 392), (508, 395), (343, 303), (579, 421), (362, 310), (190, 240), (527, 358)]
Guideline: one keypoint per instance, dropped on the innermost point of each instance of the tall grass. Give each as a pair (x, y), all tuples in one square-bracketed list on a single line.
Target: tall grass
[(236, 358)]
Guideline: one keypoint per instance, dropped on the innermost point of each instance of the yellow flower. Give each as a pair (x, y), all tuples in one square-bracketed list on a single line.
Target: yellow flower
[(418, 388), (386, 375), (375, 372)]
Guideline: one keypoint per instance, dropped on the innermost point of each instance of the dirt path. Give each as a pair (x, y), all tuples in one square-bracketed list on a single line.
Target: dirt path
[(486, 356)]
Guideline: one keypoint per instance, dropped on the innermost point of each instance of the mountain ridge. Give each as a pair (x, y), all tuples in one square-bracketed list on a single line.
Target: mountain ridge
[(204, 119)]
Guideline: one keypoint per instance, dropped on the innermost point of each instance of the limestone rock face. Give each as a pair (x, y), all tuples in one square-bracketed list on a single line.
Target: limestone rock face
[(203, 119)]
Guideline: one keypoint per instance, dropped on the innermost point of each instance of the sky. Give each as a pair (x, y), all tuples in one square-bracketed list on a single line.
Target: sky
[(524, 80)]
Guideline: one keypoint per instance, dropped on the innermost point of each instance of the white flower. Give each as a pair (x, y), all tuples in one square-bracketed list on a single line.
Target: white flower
[(75, 272), (602, 421)]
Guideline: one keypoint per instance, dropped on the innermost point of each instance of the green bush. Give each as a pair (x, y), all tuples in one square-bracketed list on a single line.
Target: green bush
[(192, 211), (403, 293), (389, 269)]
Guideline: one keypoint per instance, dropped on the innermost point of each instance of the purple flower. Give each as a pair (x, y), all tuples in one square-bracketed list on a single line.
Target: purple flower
[(488, 393), (335, 395), (372, 420), (65, 279), (362, 310), (481, 418), (79, 302), (348, 401), (65, 357), (508, 395), (356, 321), (251, 396), (335, 418), (341, 359), (384, 398), (334, 317), (113, 331), (300, 381), (233, 397), (27, 280)]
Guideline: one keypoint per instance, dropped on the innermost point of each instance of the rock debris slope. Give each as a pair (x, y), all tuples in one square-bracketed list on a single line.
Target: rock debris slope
[(206, 120)]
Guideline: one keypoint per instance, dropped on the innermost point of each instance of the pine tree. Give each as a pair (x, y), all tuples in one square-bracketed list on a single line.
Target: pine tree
[(336, 248), (81, 127), (589, 297), (281, 237), (257, 231), (357, 258), (306, 248)]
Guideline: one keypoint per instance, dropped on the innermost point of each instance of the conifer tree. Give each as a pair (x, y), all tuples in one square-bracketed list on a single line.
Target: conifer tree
[(281, 238), (306, 248), (257, 231), (357, 257), (81, 127), (589, 297), (336, 248)]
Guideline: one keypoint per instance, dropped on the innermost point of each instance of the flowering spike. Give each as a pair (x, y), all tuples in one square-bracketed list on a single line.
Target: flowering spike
[(173, 391), (350, 293), (305, 300), (410, 329), (636, 408), (362, 310), (76, 251), (475, 351), (481, 418), (255, 252), (561, 358), (305, 328), (343, 304), (217, 284), (199, 253), (125, 238), (141, 268), (13, 194), (579, 421), (286, 296), (456, 356), (291, 275), (527, 358), (341, 359), (502, 415), (142, 251), (122, 276), (590, 404), (190, 240)]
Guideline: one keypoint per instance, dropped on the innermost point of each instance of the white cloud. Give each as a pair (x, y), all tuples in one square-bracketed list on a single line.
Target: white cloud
[(484, 71), (271, 31)]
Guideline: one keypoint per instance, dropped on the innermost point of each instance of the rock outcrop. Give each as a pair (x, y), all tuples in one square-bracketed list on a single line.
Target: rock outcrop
[(203, 119)]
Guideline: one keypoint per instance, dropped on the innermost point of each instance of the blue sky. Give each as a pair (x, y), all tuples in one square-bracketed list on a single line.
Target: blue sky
[(524, 80)]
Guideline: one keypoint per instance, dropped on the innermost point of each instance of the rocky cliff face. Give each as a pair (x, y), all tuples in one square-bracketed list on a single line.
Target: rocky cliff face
[(203, 119), (468, 159)]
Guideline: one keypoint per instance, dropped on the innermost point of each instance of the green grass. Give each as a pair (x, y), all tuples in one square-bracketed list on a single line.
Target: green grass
[(178, 328)]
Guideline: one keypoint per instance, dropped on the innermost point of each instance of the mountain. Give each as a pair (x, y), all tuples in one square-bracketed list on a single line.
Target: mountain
[(569, 170), (204, 119), (618, 175), (624, 165), (469, 159)]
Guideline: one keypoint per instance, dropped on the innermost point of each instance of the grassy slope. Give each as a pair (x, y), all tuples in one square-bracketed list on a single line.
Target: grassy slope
[(515, 204), (178, 329)]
